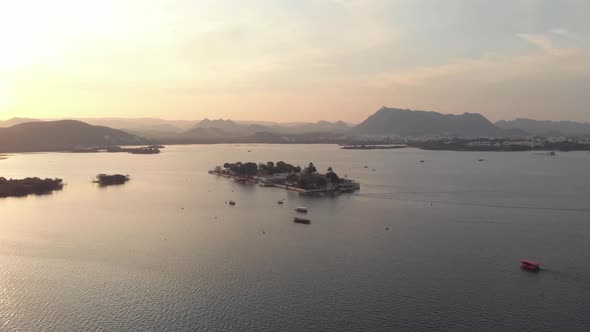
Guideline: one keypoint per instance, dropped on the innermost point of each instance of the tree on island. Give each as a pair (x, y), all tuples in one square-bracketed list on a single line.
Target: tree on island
[(312, 181), (249, 169), (109, 180), (311, 169), (333, 177), (28, 186), (292, 178)]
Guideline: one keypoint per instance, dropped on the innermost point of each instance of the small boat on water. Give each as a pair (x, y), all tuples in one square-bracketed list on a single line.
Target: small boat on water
[(280, 202), (301, 220), (529, 265), (232, 203), (301, 209)]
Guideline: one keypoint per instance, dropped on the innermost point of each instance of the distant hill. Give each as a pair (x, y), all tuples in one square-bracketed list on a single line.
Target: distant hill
[(61, 135), (15, 121), (409, 123), (315, 127), (224, 131), (547, 128), (146, 127)]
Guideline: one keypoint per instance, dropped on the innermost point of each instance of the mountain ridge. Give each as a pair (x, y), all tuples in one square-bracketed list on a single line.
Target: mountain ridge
[(416, 123), (62, 135)]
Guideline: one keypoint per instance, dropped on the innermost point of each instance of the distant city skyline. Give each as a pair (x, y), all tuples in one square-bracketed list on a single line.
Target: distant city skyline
[(294, 60)]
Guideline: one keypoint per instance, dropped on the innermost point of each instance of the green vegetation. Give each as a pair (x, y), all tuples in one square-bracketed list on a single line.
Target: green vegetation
[(252, 169), (28, 186), (109, 180)]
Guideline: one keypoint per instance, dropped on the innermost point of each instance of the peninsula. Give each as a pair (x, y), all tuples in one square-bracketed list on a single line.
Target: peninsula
[(152, 149), (372, 147)]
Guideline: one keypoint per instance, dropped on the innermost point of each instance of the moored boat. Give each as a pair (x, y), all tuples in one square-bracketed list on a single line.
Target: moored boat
[(301, 209), (301, 220), (529, 265)]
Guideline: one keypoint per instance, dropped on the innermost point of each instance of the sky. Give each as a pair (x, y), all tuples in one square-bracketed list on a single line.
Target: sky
[(294, 60)]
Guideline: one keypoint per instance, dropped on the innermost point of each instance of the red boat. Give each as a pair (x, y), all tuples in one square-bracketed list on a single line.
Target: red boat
[(301, 220), (529, 265)]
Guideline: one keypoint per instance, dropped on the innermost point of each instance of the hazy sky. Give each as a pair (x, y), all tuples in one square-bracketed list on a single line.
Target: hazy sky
[(294, 60)]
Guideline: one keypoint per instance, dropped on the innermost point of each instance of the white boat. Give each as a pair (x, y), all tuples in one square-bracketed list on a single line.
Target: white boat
[(302, 209)]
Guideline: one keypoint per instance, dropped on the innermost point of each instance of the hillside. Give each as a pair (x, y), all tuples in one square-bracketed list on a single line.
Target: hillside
[(15, 121), (408, 123), (547, 128), (61, 135)]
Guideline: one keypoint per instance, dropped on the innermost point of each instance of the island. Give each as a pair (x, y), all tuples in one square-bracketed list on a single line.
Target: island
[(152, 149), (287, 176), (109, 180), (28, 186)]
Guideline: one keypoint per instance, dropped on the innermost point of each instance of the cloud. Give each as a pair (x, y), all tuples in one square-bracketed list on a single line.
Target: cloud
[(547, 84), (540, 41), (560, 31)]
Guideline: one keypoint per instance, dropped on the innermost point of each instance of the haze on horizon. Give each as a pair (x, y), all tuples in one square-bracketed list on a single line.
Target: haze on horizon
[(294, 60)]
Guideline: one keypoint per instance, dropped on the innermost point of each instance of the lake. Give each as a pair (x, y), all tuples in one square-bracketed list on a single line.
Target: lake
[(422, 246)]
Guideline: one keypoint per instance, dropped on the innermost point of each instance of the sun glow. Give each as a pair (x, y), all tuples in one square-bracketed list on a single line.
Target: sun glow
[(33, 32)]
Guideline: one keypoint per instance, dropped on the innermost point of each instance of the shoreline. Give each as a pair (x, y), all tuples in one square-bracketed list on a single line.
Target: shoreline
[(424, 147)]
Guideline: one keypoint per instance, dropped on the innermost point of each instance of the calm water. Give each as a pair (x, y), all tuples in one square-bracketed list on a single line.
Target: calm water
[(165, 253)]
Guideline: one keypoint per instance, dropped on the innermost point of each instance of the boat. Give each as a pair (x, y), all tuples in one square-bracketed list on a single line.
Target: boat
[(552, 153), (301, 220), (232, 203), (280, 202), (302, 209), (529, 265)]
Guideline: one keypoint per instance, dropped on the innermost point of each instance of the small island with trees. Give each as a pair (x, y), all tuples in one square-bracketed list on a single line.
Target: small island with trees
[(287, 176), (28, 186), (109, 180)]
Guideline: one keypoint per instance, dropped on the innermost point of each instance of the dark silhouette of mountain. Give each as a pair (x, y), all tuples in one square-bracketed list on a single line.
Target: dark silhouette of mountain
[(409, 123), (15, 121), (547, 128), (61, 136)]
